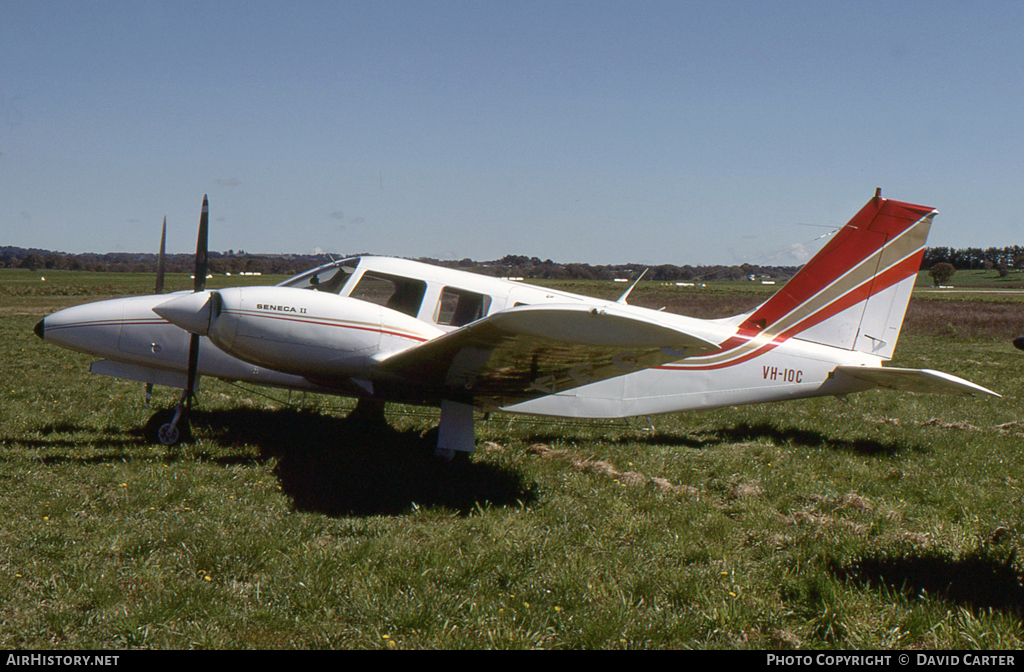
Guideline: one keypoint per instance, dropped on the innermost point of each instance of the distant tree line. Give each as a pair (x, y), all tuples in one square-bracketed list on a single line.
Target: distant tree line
[(520, 266), (508, 266), (1001, 259), (121, 262)]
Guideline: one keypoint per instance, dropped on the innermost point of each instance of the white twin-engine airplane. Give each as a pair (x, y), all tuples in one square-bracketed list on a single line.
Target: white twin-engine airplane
[(395, 330)]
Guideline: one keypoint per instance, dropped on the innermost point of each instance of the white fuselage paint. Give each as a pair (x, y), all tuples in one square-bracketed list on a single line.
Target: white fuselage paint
[(128, 332), (288, 337), (793, 370)]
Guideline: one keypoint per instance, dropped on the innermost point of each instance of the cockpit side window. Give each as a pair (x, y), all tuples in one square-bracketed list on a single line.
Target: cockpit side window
[(329, 278), (457, 307), (402, 294), (331, 282)]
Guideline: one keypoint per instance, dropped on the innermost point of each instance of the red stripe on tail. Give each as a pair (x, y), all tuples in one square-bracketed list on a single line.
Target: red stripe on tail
[(877, 223)]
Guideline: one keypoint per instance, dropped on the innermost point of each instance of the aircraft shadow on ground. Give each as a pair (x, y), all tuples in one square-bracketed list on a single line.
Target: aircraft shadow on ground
[(344, 466), (66, 435), (987, 578), (810, 438), (743, 432)]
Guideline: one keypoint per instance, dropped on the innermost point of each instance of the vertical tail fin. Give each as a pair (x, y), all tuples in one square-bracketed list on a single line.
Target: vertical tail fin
[(854, 293)]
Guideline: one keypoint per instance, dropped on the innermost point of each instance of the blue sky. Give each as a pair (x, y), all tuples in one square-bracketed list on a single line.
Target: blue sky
[(601, 132)]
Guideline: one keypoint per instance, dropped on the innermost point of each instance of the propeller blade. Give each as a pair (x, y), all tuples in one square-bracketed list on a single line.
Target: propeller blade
[(200, 284), (161, 270), (169, 433), (201, 248), (193, 364), (161, 260)]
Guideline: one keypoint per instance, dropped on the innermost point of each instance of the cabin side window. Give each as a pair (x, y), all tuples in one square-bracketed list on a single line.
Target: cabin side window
[(457, 307), (402, 294)]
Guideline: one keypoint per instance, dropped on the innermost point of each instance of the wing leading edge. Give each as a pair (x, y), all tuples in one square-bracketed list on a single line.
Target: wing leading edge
[(531, 351)]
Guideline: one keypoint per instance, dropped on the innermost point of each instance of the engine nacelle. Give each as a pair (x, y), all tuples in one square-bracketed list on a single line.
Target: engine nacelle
[(298, 331)]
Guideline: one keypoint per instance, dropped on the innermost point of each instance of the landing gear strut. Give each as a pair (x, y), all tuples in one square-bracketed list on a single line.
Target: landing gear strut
[(456, 433), (369, 412)]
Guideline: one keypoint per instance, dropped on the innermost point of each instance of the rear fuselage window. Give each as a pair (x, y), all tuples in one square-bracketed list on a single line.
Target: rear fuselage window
[(402, 294), (457, 307)]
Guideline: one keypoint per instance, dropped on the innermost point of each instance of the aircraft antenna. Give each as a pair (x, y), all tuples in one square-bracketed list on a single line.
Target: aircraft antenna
[(622, 299)]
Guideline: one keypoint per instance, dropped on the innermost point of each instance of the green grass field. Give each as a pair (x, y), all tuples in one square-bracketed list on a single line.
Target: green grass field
[(889, 520)]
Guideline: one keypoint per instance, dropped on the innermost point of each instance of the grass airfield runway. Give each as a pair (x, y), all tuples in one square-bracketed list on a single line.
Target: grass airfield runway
[(889, 520)]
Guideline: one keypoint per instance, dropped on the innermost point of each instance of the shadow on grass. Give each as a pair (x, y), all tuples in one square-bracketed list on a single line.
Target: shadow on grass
[(986, 578), (709, 438), (342, 466), (53, 437), (325, 464), (812, 439)]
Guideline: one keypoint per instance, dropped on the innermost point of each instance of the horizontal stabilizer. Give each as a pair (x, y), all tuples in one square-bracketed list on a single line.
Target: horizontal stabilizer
[(914, 380)]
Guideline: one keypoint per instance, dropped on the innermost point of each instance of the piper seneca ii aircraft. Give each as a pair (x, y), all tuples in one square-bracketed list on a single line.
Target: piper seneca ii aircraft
[(394, 330)]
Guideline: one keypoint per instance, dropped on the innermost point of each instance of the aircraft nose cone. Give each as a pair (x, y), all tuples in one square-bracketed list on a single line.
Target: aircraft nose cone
[(40, 328), (190, 312)]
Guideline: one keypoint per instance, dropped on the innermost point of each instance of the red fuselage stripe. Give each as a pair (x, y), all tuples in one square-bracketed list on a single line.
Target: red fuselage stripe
[(321, 323)]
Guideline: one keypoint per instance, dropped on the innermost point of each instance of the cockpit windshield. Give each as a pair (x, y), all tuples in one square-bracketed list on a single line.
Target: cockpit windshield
[(327, 278)]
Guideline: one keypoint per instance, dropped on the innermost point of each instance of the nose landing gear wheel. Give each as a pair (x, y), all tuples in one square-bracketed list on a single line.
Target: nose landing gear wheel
[(161, 429), (168, 434)]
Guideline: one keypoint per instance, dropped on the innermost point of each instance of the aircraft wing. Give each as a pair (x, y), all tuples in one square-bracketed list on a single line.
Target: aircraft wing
[(915, 380), (531, 351)]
